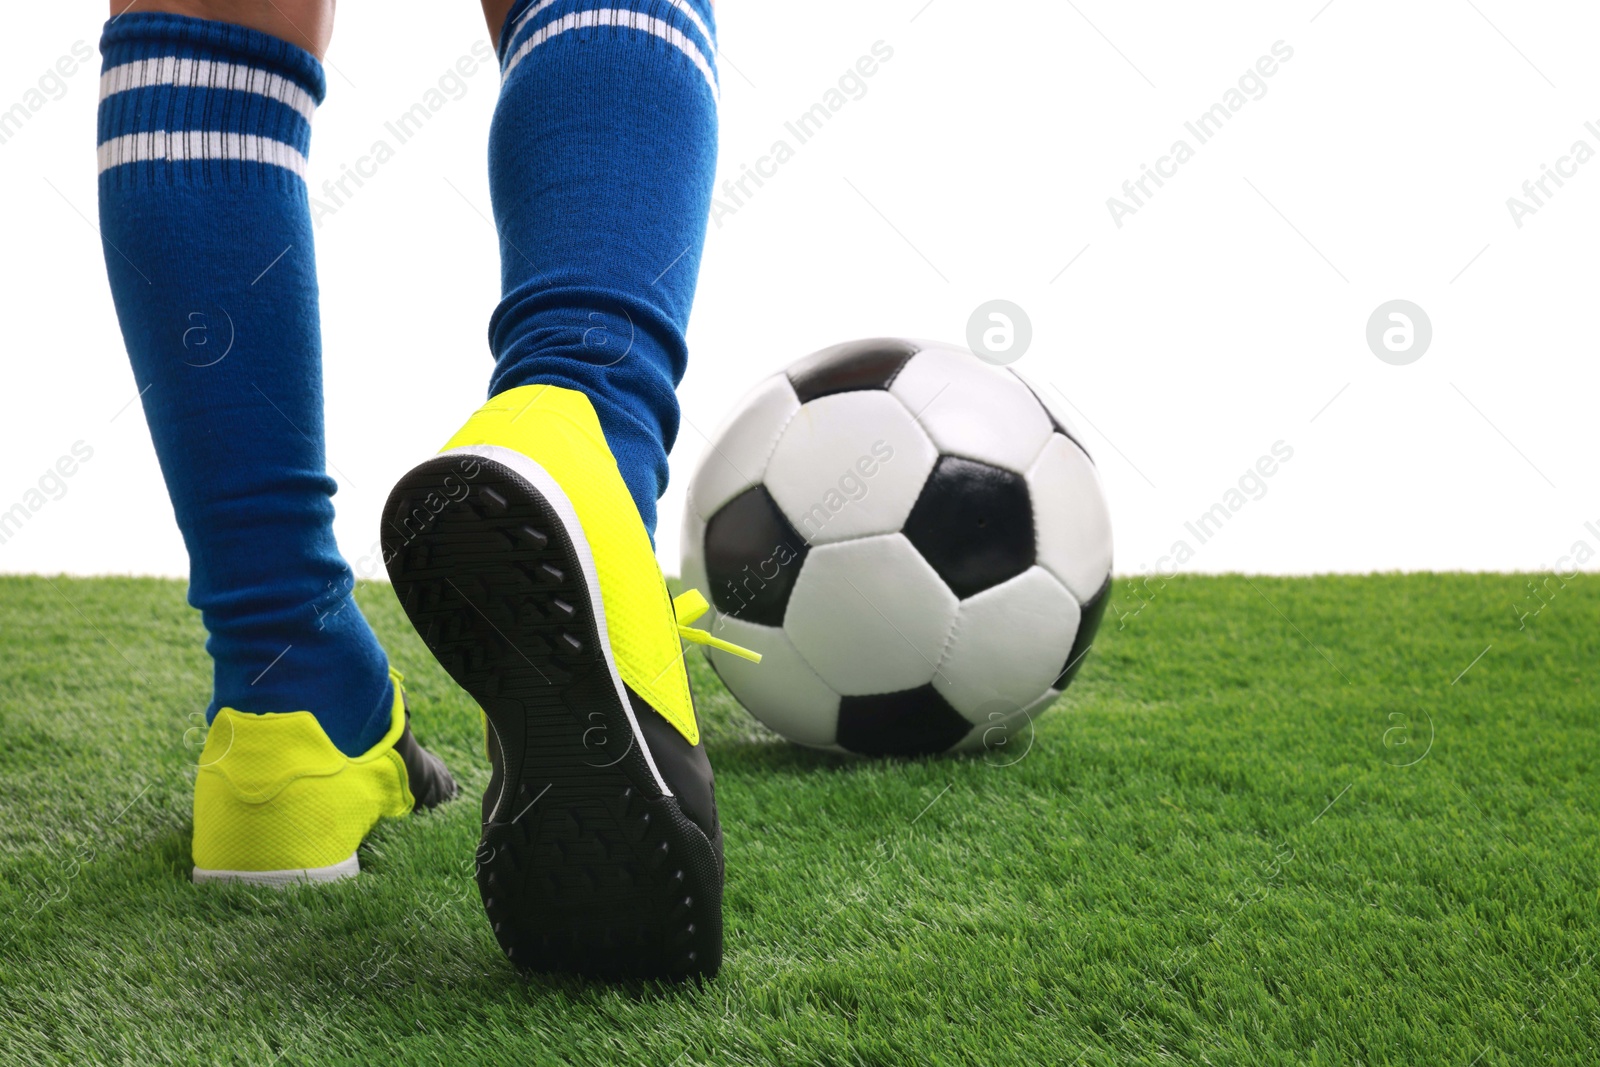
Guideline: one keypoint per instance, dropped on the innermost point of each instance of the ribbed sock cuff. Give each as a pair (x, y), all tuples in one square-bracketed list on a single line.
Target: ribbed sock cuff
[(200, 101), (685, 25)]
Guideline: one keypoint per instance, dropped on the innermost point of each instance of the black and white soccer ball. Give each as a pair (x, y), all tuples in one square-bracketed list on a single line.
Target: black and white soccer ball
[(912, 538)]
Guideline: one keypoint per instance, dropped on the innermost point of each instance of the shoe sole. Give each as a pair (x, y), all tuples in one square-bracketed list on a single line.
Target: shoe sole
[(336, 872), (587, 864)]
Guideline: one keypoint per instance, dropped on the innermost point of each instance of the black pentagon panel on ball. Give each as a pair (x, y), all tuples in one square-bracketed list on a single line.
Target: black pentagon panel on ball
[(753, 556), (973, 523), (1088, 623), (912, 722), (852, 366)]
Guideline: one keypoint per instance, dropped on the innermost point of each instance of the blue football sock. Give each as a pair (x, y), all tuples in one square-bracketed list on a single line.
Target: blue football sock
[(204, 129), (601, 159)]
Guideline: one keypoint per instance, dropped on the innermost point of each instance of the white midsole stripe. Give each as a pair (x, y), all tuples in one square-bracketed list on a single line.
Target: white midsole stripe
[(610, 16), (348, 867), (551, 490), (206, 74), (199, 144)]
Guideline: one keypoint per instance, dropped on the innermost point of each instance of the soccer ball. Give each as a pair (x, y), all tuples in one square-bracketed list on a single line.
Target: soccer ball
[(912, 538)]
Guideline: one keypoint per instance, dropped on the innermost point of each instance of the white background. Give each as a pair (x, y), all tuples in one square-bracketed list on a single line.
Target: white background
[(1222, 317)]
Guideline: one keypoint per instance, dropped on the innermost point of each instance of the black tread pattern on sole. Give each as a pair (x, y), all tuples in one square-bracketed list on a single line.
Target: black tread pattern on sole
[(584, 866)]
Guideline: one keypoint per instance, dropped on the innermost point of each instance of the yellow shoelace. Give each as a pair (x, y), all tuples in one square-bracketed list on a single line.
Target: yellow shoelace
[(689, 606)]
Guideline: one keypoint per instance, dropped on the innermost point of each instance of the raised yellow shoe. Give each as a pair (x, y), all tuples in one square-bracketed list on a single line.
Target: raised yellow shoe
[(275, 802), (522, 561)]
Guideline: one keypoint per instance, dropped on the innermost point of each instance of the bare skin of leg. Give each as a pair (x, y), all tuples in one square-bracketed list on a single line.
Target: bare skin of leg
[(307, 23), (494, 13)]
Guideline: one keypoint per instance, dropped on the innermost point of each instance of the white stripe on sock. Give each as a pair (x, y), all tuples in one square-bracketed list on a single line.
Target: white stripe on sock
[(206, 74), (532, 12), (199, 144), (694, 17), (615, 17), (681, 5)]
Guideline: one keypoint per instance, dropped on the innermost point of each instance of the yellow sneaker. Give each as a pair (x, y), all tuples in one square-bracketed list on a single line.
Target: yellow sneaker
[(275, 802), (521, 559)]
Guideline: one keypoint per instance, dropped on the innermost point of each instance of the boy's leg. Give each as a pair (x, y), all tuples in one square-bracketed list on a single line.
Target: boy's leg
[(204, 128), (601, 158), (522, 553), (307, 24)]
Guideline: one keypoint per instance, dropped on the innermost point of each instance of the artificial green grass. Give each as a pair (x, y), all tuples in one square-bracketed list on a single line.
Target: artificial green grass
[(1273, 822)]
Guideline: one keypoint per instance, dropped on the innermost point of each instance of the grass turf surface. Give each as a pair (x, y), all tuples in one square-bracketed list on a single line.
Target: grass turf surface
[(1273, 822)]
